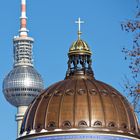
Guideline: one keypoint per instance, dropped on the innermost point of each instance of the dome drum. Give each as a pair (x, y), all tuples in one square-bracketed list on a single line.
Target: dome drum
[(76, 135)]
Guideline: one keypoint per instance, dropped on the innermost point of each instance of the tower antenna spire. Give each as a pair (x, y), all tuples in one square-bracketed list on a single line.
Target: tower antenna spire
[(79, 22), (23, 32)]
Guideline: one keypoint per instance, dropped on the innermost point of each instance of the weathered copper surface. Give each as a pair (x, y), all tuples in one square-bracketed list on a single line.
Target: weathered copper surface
[(81, 102)]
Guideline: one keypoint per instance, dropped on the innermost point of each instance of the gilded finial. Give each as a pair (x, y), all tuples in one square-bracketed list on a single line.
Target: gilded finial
[(79, 22), (79, 47)]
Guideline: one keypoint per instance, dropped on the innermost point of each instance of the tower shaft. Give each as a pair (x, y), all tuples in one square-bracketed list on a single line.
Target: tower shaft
[(19, 117)]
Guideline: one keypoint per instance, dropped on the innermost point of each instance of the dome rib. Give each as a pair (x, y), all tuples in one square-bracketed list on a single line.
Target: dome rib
[(82, 111), (48, 104), (38, 121), (23, 127), (31, 115), (36, 111), (116, 93), (138, 128), (128, 120), (113, 103), (89, 102), (75, 105), (74, 102), (49, 99), (74, 109), (103, 111), (124, 106), (52, 100), (130, 116), (64, 85), (26, 117)]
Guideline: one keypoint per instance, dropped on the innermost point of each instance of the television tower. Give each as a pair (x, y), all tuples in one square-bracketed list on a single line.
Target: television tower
[(23, 83)]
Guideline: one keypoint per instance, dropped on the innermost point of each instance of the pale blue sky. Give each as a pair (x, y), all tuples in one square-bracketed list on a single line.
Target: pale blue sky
[(52, 25)]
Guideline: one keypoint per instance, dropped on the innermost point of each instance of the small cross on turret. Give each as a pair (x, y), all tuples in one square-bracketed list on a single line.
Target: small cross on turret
[(79, 22)]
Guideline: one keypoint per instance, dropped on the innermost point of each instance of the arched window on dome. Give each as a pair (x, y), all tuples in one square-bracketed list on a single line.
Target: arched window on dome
[(82, 124), (39, 127), (124, 126), (98, 124), (66, 125), (52, 125), (111, 125)]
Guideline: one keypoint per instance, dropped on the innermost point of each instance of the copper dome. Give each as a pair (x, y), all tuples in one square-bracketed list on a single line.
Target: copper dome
[(80, 104)]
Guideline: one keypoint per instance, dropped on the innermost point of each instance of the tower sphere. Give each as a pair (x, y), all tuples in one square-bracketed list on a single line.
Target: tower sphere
[(22, 85)]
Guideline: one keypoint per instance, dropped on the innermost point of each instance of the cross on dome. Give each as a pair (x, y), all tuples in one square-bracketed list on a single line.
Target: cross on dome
[(79, 22)]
